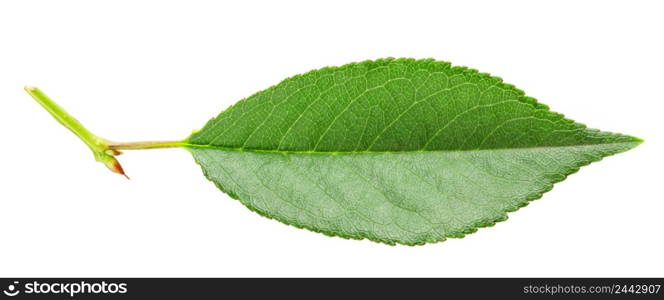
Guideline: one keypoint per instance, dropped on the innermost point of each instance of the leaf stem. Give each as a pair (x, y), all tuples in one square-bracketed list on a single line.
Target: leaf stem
[(104, 150), (63, 117), (144, 145)]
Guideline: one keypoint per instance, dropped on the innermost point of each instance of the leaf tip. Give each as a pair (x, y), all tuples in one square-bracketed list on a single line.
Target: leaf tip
[(635, 142)]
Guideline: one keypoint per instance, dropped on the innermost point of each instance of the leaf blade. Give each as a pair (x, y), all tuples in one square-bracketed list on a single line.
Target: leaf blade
[(381, 115)]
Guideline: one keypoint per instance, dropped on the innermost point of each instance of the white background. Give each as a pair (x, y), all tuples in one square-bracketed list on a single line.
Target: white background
[(152, 70)]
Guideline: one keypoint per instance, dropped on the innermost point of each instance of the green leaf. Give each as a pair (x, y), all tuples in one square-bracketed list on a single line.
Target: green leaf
[(393, 150)]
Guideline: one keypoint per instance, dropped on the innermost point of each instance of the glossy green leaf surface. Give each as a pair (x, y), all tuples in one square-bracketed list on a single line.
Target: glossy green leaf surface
[(393, 150)]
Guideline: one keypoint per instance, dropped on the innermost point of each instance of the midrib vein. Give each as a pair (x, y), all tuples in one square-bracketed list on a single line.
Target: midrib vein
[(232, 149)]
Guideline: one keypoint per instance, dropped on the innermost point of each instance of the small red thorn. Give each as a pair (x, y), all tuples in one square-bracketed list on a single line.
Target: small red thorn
[(116, 168)]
